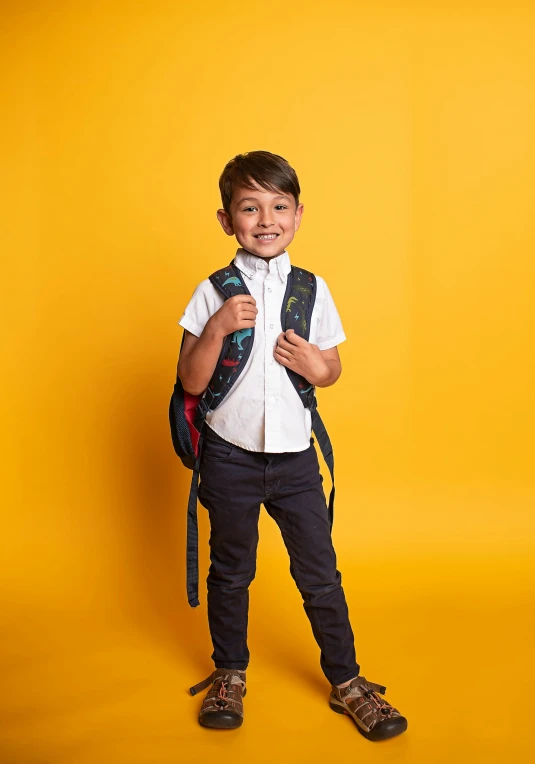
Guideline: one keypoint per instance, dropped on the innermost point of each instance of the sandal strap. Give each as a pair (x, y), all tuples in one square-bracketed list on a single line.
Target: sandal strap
[(233, 673), (374, 686), (201, 685)]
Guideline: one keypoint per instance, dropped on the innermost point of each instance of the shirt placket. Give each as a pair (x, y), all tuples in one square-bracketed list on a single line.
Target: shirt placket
[(272, 389)]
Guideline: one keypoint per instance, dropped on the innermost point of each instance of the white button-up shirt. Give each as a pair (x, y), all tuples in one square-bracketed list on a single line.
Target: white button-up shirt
[(263, 411)]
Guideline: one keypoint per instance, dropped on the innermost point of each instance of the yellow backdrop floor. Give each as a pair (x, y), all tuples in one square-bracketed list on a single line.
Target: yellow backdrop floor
[(453, 660)]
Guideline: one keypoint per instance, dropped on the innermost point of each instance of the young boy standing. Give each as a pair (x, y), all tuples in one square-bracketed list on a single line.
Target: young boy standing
[(258, 449)]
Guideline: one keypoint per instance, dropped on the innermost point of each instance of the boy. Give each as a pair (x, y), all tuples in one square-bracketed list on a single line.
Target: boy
[(258, 449)]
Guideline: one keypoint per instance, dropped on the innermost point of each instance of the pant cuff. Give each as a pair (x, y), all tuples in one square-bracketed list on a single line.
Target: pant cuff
[(346, 677), (237, 665)]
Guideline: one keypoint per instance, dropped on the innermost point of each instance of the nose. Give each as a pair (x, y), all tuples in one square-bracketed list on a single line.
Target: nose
[(265, 219)]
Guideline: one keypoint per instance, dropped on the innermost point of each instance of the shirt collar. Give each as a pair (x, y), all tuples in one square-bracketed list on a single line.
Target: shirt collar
[(250, 264)]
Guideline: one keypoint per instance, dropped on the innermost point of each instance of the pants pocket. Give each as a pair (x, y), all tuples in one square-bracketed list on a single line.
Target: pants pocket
[(215, 451)]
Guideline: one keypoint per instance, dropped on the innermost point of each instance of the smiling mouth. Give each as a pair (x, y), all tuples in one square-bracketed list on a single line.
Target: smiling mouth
[(266, 236)]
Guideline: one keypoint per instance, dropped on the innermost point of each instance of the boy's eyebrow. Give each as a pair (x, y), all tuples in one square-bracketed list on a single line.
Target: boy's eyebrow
[(254, 199)]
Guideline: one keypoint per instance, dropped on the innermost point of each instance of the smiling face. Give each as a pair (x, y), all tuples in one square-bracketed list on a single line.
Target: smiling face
[(264, 222)]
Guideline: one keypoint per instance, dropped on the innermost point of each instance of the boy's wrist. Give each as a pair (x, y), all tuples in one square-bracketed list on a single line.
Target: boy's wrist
[(213, 328)]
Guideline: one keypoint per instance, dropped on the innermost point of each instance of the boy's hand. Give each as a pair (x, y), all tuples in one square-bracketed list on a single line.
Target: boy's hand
[(238, 312), (303, 357)]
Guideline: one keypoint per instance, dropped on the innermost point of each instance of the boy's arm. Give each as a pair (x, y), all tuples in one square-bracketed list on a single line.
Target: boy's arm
[(332, 359), (198, 359)]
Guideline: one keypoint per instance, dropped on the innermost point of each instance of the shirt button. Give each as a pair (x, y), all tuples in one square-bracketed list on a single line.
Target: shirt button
[(269, 289), (271, 326), (272, 400)]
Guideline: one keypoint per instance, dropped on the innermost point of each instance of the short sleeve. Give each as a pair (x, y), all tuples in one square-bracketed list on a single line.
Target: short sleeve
[(205, 301), (329, 330)]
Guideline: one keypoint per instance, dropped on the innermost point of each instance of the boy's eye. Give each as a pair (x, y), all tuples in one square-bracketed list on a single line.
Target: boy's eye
[(278, 206)]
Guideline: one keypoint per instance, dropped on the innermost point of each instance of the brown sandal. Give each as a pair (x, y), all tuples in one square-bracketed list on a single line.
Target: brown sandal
[(375, 718), (222, 708)]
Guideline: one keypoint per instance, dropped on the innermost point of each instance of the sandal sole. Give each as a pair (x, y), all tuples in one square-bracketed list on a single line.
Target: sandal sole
[(381, 731)]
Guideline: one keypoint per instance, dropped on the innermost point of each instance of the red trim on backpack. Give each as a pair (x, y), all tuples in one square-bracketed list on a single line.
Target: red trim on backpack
[(190, 406)]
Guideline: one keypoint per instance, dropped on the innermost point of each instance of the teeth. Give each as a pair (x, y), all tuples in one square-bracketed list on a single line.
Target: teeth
[(267, 236)]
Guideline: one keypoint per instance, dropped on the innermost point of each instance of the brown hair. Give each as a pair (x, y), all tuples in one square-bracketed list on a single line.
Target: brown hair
[(269, 171)]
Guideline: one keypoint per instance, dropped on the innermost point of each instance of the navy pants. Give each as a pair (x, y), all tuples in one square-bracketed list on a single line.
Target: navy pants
[(233, 484)]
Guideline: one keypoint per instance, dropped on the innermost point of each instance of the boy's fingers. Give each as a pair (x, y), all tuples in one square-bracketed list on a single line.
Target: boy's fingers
[(242, 299), (281, 353), (282, 359), (282, 341), (294, 338), (283, 348)]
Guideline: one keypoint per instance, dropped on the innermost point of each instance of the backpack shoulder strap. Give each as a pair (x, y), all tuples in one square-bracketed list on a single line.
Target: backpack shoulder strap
[(296, 314), (236, 347), (299, 301)]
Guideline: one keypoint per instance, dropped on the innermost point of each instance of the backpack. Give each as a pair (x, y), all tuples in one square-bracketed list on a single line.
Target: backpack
[(187, 412)]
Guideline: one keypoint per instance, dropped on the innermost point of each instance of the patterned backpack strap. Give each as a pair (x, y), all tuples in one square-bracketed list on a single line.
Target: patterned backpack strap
[(236, 347), (296, 314)]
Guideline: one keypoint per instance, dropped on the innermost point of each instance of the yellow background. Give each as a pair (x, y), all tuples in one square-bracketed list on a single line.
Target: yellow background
[(411, 127)]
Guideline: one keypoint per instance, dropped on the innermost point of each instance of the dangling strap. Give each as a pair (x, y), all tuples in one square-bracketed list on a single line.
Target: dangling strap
[(326, 449), (202, 685), (192, 537)]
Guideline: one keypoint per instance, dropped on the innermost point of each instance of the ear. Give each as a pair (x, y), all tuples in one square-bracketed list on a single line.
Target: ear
[(298, 215), (226, 222)]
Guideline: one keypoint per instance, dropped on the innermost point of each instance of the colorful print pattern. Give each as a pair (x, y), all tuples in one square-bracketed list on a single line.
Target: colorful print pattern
[(298, 309), (295, 314)]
